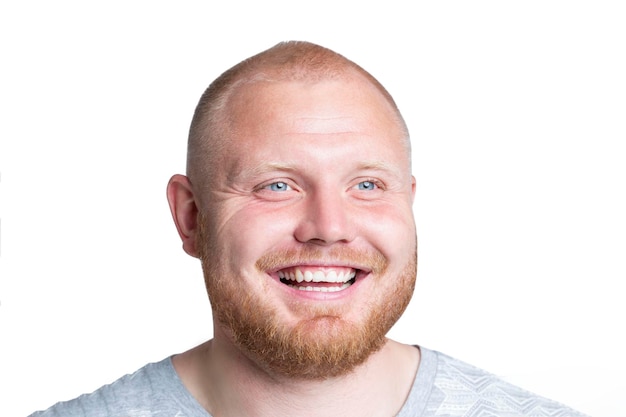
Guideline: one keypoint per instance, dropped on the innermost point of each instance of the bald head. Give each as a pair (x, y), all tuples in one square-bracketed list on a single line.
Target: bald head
[(285, 62)]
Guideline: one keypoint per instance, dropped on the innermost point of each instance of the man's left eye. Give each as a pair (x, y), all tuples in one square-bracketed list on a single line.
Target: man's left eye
[(367, 185), (278, 186)]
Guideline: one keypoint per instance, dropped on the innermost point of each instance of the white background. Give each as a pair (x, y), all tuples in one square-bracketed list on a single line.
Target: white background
[(517, 113)]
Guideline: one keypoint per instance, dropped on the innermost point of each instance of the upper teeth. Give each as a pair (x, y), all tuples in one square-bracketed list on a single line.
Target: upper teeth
[(317, 276)]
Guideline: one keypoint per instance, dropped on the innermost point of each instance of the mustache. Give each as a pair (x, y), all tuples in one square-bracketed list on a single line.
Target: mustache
[(371, 260)]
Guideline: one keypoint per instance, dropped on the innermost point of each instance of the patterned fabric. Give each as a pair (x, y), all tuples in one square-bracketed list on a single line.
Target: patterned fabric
[(462, 390), (443, 387)]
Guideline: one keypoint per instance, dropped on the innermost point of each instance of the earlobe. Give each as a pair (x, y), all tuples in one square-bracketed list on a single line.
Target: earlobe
[(184, 211)]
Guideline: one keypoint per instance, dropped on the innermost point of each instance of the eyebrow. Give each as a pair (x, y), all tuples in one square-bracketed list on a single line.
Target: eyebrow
[(377, 166), (262, 169), (292, 167)]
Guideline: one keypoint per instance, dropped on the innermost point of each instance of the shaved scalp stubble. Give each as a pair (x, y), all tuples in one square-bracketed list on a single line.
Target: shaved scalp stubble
[(211, 126)]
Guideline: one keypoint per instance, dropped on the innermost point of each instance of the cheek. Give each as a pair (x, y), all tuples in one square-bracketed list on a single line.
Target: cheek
[(391, 230), (248, 234), (242, 234)]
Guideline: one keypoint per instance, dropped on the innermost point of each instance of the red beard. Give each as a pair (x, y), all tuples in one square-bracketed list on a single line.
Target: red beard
[(322, 344)]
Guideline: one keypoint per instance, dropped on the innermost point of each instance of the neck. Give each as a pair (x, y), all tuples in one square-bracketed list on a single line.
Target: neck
[(227, 383)]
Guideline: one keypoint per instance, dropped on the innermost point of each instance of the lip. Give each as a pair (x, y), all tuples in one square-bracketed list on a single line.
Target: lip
[(321, 265)]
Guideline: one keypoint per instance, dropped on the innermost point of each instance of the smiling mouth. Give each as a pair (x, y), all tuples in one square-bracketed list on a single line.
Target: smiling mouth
[(318, 279)]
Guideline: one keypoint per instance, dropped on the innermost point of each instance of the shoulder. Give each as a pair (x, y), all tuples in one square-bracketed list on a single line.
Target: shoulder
[(153, 387), (461, 389)]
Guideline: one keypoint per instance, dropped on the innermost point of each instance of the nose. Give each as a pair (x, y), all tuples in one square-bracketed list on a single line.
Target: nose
[(326, 219)]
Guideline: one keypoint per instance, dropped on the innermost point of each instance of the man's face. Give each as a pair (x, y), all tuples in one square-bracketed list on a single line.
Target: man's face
[(307, 236)]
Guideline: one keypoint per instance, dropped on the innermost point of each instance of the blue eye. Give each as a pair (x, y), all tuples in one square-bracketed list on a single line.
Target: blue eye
[(367, 185), (278, 186)]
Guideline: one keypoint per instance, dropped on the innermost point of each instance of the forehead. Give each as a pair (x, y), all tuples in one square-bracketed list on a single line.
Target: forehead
[(323, 107), (288, 122)]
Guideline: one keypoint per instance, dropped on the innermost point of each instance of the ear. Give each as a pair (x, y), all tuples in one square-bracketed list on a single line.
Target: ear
[(184, 211), (413, 187)]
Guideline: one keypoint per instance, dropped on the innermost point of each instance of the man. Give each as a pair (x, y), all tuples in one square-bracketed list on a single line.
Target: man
[(298, 202)]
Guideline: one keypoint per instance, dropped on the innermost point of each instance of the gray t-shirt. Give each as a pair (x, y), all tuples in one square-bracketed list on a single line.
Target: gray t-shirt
[(443, 387)]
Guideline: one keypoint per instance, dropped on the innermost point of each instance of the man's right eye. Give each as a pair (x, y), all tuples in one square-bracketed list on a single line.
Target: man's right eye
[(278, 186)]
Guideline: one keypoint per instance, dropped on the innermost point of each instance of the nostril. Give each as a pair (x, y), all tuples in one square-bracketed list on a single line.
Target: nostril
[(317, 241)]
